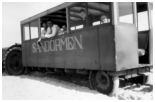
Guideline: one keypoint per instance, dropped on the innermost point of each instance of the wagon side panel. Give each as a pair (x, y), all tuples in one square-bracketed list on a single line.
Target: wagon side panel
[(88, 56), (126, 46), (107, 48), (32, 58), (24, 53)]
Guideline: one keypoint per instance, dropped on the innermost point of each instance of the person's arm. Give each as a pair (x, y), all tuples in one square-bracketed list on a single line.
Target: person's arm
[(54, 31), (41, 36)]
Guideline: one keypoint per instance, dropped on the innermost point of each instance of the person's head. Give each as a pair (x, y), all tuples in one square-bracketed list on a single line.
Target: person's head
[(83, 13), (64, 28), (49, 23), (104, 19), (44, 25)]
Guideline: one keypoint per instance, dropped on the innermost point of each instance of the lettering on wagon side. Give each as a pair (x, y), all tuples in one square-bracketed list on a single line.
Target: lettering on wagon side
[(68, 43)]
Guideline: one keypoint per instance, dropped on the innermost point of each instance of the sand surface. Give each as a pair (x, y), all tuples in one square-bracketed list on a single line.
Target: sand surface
[(38, 86)]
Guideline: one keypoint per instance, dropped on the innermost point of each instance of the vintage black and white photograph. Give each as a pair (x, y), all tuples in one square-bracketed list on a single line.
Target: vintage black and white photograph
[(77, 50)]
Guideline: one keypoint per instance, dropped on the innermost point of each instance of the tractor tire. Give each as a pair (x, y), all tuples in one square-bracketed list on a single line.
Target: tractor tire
[(13, 61), (3, 69)]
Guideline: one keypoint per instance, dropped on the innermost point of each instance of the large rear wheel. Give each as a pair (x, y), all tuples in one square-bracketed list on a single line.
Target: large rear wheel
[(13, 61), (104, 83)]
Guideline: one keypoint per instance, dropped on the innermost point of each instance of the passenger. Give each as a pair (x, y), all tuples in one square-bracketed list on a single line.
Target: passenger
[(64, 30), (42, 33), (52, 30), (83, 14), (90, 17), (104, 19)]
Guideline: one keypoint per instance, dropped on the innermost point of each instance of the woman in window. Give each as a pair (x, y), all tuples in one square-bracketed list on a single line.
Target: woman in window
[(44, 31)]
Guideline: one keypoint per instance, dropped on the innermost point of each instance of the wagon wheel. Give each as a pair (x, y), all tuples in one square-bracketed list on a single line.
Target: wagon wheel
[(92, 76), (13, 61), (106, 84)]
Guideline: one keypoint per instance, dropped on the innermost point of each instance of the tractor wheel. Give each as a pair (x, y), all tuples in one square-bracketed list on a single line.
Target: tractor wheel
[(3, 69), (13, 61), (106, 84)]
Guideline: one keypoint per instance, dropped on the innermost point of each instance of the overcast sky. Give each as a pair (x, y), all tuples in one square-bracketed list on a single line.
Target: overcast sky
[(13, 13)]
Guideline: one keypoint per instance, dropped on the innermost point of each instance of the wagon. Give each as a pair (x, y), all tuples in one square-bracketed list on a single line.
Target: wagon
[(115, 43)]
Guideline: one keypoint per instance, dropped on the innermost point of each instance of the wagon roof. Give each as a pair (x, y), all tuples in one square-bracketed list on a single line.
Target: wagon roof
[(48, 11)]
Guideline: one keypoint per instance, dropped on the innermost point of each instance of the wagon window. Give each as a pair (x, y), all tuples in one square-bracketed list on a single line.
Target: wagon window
[(34, 29), (26, 32), (142, 13), (78, 16), (152, 13), (58, 17), (98, 13), (125, 12), (143, 20)]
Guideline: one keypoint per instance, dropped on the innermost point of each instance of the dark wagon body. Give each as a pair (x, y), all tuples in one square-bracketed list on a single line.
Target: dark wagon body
[(89, 55), (101, 49), (109, 50)]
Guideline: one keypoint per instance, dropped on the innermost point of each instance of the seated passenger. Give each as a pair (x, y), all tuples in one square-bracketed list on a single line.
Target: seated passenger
[(42, 33), (63, 29), (90, 17), (52, 30), (104, 19), (83, 14)]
